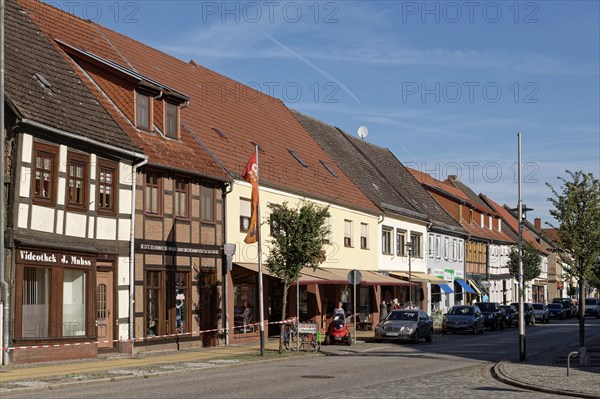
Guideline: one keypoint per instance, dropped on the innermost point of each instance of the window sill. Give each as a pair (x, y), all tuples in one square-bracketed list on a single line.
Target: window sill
[(102, 212), (153, 215), (208, 221)]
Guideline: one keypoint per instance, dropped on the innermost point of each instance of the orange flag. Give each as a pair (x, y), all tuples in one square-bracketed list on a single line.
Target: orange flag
[(250, 174)]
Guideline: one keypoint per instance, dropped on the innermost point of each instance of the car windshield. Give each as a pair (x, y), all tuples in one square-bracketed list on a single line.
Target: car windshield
[(461, 310), (509, 309), (410, 316), (591, 301), (538, 306), (555, 306), (486, 307)]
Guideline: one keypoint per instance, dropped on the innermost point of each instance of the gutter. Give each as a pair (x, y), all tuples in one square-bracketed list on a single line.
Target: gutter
[(77, 137), (4, 286)]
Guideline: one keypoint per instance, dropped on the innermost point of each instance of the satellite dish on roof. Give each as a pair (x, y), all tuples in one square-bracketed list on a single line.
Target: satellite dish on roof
[(363, 132)]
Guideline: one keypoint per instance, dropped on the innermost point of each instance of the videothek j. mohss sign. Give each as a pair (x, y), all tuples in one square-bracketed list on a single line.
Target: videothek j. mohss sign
[(54, 258)]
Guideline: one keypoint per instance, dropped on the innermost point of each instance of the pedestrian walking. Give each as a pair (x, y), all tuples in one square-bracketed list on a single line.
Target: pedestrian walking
[(382, 311)]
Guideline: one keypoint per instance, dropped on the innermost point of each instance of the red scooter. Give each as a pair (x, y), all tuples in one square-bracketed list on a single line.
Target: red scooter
[(337, 331)]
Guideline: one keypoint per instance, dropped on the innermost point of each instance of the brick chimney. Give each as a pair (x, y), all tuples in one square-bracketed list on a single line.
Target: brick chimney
[(452, 177), (537, 222)]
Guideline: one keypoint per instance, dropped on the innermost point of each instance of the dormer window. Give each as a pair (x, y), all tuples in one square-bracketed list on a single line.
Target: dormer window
[(143, 111), (172, 120)]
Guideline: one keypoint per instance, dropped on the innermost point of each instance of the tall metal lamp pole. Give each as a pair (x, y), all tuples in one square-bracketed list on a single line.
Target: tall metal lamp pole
[(522, 353)]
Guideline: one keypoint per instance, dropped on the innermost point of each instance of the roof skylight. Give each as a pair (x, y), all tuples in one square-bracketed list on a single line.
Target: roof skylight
[(300, 161), (220, 132), (328, 168)]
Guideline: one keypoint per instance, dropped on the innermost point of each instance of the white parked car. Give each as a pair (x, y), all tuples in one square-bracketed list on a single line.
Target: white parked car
[(592, 307), (542, 314)]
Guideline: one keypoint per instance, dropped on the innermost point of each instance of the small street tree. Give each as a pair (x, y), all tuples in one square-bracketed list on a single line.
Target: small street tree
[(532, 262), (577, 210), (298, 233)]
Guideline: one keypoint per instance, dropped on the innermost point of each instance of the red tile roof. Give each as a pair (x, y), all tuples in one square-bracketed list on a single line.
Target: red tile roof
[(514, 224), (244, 114), (456, 195)]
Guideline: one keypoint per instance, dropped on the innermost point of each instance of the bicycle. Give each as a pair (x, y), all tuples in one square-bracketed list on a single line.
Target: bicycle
[(290, 335)]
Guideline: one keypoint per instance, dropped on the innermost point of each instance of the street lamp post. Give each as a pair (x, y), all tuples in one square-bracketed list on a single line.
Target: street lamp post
[(521, 211), (409, 248)]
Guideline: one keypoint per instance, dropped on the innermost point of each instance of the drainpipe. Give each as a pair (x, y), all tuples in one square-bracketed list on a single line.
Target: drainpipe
[(3, 283), (132, 252), (224, 271)]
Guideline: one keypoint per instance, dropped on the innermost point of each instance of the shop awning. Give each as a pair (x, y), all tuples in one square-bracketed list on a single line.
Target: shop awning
[(254, 268), (419, 277), (465, 286), (321, 276), (332, 276), (475, 287), (446, 288)]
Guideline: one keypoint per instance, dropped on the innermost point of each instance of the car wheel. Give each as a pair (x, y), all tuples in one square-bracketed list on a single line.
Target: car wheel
[(429, 338), (482, 331), (327, 340), (494, 325), (475, 329), (348, 340), (502, 324)]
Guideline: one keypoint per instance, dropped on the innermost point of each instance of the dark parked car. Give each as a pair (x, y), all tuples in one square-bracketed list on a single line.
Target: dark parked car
[(529, 312), (463, 318), (493, 315), (541, 312), (511, 315), (405, 325), (570, 309), (556, 311)]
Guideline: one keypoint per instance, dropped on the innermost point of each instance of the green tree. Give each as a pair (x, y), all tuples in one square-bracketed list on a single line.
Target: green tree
[(532, 262), (577, 210), (298, 233)]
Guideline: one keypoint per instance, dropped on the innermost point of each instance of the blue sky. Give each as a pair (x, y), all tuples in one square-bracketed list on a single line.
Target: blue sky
[(445, 85)]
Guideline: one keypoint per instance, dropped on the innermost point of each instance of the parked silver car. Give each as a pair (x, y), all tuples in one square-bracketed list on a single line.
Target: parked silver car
[(463, 318), (405, 324), (542, 314), (592, 307)]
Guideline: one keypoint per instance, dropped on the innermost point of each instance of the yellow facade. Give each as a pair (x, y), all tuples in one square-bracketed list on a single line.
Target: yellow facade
[(337, 254)]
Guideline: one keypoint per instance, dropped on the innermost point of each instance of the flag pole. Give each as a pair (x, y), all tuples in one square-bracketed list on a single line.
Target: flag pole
[(260, 273)]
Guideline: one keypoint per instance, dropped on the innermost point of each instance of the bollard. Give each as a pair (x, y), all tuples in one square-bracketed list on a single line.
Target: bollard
[(574, 353)]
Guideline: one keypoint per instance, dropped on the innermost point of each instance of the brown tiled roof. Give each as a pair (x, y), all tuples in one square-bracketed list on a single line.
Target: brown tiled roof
[(452, 195), (514, 224), (243, 114), (67, 104), (470, 193), (357, 167), (552, 233), (379, 174), (407, 186)]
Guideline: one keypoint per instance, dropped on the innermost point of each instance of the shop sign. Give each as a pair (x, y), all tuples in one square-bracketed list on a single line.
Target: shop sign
[(185, 249), (560, 285), (54, 258)]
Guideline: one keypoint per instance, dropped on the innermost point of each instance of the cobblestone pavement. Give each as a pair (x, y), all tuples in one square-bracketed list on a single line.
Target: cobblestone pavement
[(467, 382), (548, 372)]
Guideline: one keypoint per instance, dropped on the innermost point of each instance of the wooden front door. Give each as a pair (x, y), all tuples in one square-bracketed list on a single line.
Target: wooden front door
[(104, 306)]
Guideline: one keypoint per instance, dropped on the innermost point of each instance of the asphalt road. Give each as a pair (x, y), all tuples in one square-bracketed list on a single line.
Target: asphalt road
[(451, 366)]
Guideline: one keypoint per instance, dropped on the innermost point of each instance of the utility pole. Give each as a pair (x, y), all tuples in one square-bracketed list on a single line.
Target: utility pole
[(522, 352)]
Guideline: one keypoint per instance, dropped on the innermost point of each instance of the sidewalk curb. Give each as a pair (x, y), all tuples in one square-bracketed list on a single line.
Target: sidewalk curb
[(504, 378), (159, 373)]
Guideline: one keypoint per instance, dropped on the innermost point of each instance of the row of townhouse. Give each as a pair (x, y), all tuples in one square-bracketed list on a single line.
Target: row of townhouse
[(124, 183)]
